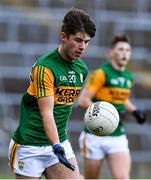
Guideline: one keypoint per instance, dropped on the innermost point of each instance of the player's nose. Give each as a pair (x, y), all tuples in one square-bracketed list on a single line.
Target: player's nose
[(82, 45)]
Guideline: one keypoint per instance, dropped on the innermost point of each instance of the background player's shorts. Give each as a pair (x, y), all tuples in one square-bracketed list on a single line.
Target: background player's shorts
[(97, 147), (33, 160)]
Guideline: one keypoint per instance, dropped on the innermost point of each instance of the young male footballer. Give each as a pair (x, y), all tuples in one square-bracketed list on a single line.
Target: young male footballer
[(40, 144), (110, 82)]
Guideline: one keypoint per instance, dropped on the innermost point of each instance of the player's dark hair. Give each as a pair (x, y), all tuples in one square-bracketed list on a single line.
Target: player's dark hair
[(76, 20), (120, 38)]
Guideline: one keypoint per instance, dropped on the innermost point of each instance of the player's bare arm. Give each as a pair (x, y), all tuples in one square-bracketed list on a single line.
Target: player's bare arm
[(46, 109), (130, 107), (84, 100)]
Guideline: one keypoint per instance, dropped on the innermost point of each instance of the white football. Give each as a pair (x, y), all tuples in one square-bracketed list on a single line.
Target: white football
[(101, 118)]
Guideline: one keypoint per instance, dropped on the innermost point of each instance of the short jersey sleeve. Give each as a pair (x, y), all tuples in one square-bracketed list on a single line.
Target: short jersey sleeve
[(42, 82), (95, 80)]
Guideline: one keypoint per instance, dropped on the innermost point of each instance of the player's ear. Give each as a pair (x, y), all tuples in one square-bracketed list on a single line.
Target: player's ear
[(62, 37), (110, 52)]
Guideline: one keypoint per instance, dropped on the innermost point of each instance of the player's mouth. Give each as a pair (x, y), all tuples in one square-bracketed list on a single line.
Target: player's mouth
[(78, 54), (124, 59)]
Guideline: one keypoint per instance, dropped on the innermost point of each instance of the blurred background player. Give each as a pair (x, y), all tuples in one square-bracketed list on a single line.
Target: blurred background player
[(112, 83), (41, 140)]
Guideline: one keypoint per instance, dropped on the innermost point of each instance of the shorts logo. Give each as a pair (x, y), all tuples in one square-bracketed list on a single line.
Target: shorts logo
[(21, 165)]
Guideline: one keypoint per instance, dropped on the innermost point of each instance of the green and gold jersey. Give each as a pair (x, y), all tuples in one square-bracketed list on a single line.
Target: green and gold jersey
[(51, 76), (112, 86)]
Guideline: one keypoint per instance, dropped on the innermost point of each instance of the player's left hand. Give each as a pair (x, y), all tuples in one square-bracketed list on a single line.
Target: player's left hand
[(140, 116), (60, 153)]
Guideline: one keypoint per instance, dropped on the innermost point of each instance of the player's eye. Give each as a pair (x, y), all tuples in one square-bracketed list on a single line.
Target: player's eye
[(78, 40), (87, 41)]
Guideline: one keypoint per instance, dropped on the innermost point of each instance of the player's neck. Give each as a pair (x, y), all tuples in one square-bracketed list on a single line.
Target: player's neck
[(64, 55), (118, 67)]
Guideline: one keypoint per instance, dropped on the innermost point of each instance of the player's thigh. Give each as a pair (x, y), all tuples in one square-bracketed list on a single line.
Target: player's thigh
[(27, 161), (59, 171), (92, 168), (92, 151), (119, 164), (91, 146)]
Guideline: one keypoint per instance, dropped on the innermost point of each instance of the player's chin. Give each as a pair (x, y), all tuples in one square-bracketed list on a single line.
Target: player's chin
[(77, 56), (123, 62)]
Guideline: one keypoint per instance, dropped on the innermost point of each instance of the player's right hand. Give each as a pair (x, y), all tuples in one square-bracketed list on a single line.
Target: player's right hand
[(140, 116), (60, 153)]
